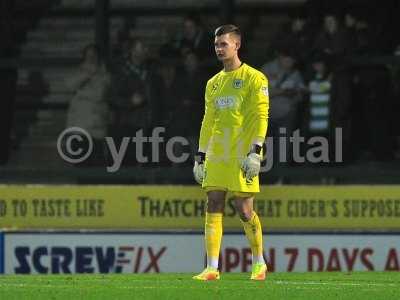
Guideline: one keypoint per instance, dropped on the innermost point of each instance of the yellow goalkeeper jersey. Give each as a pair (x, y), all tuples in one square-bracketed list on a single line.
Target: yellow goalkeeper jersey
[(236, 113)]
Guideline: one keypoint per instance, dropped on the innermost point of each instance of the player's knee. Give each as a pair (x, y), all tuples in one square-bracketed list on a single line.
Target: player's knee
[(244, 209), (245, 213), (215, 201), (214, 206)]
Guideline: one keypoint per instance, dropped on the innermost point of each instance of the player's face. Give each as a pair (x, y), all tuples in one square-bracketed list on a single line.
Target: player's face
[(226, 46)]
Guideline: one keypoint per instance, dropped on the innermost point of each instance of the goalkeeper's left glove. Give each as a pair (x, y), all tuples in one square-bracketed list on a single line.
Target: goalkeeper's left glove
[(198, 169), (252, 163)]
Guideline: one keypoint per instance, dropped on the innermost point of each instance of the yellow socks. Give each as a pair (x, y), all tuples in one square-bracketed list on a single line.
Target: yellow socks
[(213, 236), (253, 232)]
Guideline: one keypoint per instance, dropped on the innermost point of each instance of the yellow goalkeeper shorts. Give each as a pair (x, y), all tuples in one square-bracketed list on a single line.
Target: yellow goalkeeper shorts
[(234, 193), (226, 174)]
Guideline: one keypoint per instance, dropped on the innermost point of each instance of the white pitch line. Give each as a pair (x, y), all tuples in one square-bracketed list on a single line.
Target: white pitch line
[(215, 286), (278, 282), (334, 283)]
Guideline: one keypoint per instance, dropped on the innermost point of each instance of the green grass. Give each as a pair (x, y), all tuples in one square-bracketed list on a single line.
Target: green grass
[(362, 285)]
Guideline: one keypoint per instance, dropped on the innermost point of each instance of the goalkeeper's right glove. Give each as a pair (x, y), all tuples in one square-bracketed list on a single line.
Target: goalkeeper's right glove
[(251, 164), (198, 169)]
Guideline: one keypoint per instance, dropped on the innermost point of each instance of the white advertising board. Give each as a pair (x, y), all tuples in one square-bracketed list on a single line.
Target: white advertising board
[(47, 253)]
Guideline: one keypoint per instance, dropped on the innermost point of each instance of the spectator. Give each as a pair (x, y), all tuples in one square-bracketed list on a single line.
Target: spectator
[(329, 106), (120, 50), (371, 113), (341, 102), (297, 37), (320, 98), (171, 92), (285, 90), (131, 95), (129, 91), (170, 98), (194, 79), (193, 37), (320, 121), (350, 27), (331, 40), (361, 39), (372, 90), (88, 108), (191, 110)]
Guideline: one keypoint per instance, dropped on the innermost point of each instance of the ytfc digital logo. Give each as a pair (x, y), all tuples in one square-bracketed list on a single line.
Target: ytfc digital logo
[(101, 259)]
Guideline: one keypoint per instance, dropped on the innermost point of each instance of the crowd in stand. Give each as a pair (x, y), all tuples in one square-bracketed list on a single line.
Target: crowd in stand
[(323, 78), (136, 92), (315, 84)]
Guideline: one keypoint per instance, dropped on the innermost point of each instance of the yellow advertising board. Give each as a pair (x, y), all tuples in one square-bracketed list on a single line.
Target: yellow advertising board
[(182, 207)]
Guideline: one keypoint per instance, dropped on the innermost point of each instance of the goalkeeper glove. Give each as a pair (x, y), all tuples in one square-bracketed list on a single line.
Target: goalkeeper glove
[(198, 169), (252, 163)]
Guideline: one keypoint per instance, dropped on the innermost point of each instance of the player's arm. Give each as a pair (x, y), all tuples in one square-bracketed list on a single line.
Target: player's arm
[(259, 117), (205, 135), (208, 120), (260, 109)]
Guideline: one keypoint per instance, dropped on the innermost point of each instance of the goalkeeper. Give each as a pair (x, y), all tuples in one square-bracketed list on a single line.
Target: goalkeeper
[(230, 148)]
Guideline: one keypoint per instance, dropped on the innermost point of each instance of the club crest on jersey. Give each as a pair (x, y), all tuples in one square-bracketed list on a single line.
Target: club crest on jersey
[(237, 83), (264, 90)]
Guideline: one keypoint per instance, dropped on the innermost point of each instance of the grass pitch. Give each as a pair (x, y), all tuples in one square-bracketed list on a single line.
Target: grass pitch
[(363, 285)]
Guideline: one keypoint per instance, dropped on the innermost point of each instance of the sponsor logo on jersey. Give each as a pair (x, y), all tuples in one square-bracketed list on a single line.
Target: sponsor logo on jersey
[(237, 83), (225, 102)]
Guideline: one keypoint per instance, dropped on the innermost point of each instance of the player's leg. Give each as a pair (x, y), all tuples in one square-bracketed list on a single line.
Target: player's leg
[(252, 227), (213, 226), (213, 233)]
